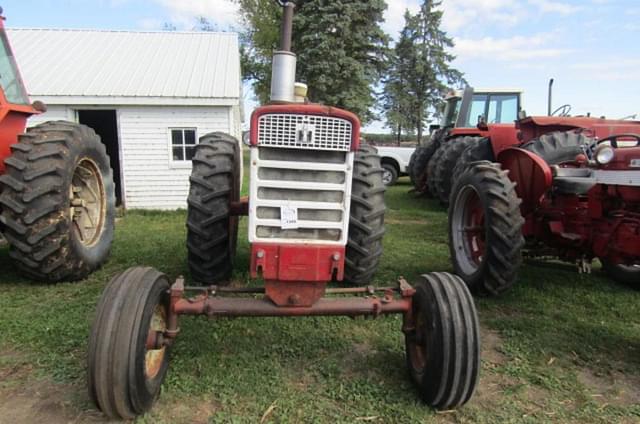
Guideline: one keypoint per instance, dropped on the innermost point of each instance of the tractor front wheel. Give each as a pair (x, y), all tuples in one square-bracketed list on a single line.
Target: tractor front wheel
[(124, 371), (443, 345), (58, 202), (212, 231), (485, 229)]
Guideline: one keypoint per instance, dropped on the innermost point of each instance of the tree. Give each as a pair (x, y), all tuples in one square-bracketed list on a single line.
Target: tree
[(340, 45), (422, 62)]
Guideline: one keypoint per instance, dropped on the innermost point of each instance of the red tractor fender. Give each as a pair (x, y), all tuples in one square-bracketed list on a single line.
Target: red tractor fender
[(531, 174), (502, 137)]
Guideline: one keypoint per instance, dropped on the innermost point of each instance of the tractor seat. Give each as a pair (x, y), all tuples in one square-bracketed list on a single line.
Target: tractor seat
[(572, 180)]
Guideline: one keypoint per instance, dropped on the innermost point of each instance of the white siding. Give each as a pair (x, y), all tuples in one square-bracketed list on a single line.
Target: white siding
[(53, 113), (151, 180)]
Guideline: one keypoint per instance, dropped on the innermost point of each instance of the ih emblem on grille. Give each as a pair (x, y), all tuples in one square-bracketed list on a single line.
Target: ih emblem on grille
[(305, 132)]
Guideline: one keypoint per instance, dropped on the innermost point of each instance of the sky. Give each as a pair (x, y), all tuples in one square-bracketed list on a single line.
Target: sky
[(590, 47)]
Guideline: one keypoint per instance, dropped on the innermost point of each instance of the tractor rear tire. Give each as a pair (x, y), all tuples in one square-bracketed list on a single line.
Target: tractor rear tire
[(366, 223), (559, 147), (443, 350), (58, 202), (123, 375), (430, 173), (212, 232), (423, 155), (412, 161), (481, 150), (443, 172), (624, 274), (485, 229)]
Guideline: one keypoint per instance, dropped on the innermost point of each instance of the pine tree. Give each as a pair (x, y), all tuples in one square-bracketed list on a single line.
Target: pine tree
[(340, 45), (423, 60)]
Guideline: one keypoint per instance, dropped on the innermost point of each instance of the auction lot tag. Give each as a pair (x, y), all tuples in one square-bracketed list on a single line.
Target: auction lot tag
[(288, 217)]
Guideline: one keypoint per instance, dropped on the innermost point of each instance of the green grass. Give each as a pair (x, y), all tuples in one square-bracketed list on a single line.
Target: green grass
[(552, 329)]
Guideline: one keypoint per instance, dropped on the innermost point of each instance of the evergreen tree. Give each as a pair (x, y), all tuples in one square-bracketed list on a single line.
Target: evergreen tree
[(340, 45), (423, 61)]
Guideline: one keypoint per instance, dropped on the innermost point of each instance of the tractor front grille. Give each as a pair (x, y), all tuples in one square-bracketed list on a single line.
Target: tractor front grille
[(304, 132), (313, 187)]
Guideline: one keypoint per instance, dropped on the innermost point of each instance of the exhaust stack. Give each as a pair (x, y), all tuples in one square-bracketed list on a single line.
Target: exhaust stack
[(283, 69), (550, 98)]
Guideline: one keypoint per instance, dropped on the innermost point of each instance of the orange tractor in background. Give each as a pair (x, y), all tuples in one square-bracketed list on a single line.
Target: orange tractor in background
[(57, 201)]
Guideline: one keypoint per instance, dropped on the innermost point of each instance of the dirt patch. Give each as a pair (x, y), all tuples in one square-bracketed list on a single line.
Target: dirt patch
[(612, 388), (193, 410)]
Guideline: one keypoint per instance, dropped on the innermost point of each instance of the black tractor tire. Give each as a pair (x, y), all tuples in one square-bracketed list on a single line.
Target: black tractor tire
[(390, 174), (559, 146), (443, 350), (412, 161), (212, 232), (481, 150), (423, 157), (123, 375), (430, 173), (58, 202), (366, 223), (443, 172), (624, 274), (485, 229)]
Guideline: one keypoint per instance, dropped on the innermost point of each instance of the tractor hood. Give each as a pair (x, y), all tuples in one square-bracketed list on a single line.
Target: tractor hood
[(534, 126)]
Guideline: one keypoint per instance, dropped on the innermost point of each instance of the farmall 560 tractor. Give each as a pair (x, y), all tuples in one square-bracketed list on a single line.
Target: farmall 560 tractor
[(570, 189), (316, 215), (57, 198)]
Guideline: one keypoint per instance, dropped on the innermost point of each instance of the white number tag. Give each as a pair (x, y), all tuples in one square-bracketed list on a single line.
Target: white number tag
[(288, 217)]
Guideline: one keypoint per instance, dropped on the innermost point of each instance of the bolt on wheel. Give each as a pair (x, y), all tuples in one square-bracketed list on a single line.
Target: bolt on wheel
[(468, 230)]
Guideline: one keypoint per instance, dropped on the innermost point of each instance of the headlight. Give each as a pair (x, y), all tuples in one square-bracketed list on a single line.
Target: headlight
[(604, 155)]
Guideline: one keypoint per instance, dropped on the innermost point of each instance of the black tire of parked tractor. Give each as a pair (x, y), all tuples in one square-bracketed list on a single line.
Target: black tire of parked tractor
[(443, 172), (390, 174), (443, 350), (559, 146), (481, 150), (492, 268), (430, 173), (123, 376), (212, 232), (366, 223), (423, 157), (624, 274), (58, 202)]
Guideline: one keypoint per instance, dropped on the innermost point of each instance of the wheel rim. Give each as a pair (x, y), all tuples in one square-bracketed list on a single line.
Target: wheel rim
[(154, 358), (387, 177), (418, 353), (87, 202), (468, 230)]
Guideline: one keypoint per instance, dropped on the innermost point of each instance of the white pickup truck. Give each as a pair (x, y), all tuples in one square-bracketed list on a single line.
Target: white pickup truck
[(395, 161)]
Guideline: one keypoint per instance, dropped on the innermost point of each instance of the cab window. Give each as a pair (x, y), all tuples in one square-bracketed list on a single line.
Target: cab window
[(9, 79), (503, 109)]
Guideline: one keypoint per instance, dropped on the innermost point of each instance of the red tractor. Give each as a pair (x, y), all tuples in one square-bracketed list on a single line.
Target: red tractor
[(570, 189), (316, 215), (57, 199), (432, 165)]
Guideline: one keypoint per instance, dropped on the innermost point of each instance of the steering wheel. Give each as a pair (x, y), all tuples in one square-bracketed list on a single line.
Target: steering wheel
[(562, 110)]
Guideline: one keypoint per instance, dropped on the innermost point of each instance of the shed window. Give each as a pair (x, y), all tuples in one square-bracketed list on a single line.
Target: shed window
[(183, 143)]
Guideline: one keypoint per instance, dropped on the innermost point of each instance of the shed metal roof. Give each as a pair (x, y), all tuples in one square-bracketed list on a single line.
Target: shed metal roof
[(96, 66)]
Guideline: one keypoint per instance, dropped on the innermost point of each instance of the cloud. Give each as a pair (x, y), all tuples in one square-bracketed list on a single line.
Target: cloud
[(223, 13), (513, 49), (394, 15), (613, 69), (548, 6)]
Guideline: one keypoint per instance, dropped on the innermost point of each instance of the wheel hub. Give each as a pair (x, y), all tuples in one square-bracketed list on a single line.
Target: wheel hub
[(468, 230), (154, 358), (87, 203)]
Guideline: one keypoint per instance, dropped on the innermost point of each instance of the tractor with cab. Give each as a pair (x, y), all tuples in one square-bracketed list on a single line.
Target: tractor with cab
[(315, 216), (57, 196)]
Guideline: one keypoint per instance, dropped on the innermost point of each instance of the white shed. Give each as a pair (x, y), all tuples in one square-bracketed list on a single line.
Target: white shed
[(149, 95)]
